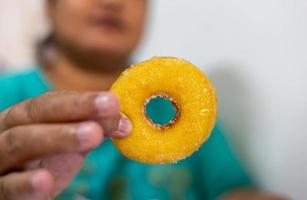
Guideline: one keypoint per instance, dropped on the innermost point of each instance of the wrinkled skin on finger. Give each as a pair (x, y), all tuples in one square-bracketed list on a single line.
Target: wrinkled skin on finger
[(40, 134)]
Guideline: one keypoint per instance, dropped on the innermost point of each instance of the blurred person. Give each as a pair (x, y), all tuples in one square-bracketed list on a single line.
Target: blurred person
[(54, 133)]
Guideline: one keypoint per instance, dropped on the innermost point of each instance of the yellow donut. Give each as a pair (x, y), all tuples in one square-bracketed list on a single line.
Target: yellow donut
[(187, 88)]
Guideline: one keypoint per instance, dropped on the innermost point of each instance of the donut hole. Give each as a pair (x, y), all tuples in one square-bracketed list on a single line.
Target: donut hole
[(161, 111)]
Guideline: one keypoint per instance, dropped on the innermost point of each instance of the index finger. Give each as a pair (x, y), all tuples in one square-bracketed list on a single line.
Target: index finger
[(60, 107)]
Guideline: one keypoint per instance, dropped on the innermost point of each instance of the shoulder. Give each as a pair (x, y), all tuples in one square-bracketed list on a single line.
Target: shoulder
[(16, 87), (15, 78)]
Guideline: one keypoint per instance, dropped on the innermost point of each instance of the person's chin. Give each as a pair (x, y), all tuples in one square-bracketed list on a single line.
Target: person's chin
[(108, 48), (108, 51)]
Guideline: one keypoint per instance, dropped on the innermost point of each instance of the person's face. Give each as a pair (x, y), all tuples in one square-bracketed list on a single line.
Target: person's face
[(111, 27)]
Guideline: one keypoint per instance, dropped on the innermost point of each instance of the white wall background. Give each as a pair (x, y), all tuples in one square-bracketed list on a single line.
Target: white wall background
[(255, 51), (256, 54), (22, 23)]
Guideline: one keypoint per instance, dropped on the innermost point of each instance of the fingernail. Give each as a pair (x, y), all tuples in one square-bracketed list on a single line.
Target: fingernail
[(41, 182), (36, 181), (89, 136), (106, 104), (124, 128)]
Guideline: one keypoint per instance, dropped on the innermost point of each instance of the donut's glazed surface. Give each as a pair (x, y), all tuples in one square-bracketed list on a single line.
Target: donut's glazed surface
[(195, 100)]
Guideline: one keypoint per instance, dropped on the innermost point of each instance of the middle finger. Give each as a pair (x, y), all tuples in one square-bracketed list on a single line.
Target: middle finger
[(24, 143)]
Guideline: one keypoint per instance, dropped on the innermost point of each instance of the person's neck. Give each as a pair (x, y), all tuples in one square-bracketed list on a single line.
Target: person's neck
[(65, 75)]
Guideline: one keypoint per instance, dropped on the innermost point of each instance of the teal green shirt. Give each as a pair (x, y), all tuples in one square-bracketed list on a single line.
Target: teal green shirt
[(106, 174)]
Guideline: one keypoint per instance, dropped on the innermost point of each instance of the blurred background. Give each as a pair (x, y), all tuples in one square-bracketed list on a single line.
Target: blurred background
[(254, 52)]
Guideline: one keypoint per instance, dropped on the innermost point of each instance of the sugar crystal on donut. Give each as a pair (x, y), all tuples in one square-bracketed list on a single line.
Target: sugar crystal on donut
[(187, 88)]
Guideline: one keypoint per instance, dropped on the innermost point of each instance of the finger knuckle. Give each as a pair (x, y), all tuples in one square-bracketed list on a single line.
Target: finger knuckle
[(81, 105), (12, 143), (65, 102), (65, 136), (62, 138), (88, 103), (8, 117), (78, 107), (32, 110)]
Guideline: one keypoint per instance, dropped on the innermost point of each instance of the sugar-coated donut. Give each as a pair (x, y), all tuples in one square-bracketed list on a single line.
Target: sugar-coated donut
[(187, 88)]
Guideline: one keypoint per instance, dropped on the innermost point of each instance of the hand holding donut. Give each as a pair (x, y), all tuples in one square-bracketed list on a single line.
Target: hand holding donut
[(39, 135)]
